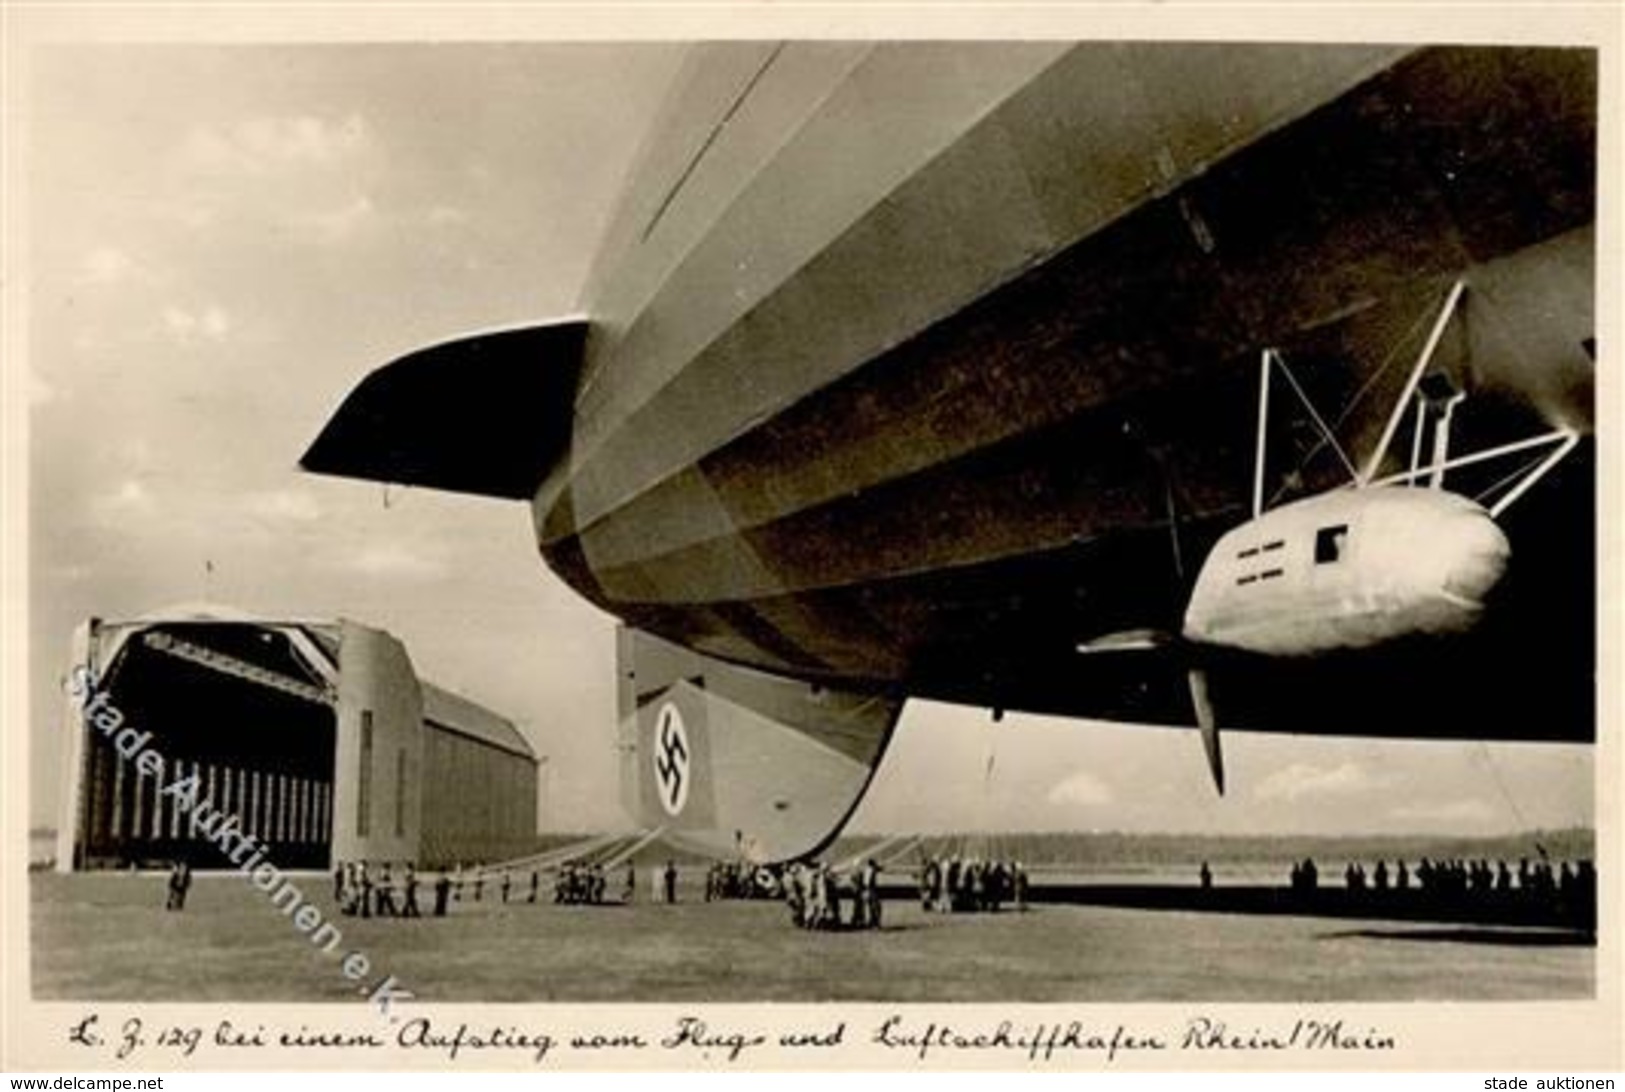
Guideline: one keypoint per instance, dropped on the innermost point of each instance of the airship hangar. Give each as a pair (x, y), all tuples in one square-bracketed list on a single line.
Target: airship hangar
[(317, 735)]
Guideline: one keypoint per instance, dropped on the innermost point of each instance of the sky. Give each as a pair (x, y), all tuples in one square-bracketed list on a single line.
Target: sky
[(223, 240)]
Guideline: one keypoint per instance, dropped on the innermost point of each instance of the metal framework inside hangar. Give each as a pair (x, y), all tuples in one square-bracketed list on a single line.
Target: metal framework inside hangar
[(318, 737)]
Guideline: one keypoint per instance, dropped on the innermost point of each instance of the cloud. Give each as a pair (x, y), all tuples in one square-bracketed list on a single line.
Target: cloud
[(1082, 788), (66, 572), (1466, 811), (446, 216), (298, 177), (1304, 780), (282, 506), (40, 392), (107, 265), (336, 224), (130, 499), (212, 323), (392, 561), (268, 144)]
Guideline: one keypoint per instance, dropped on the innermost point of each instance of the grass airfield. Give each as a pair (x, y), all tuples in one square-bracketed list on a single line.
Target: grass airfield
[(106, 936)]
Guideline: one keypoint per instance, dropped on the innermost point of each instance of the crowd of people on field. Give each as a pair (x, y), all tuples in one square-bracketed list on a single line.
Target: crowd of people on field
[(388, 889), (960, 885), (741, 880), (817, 893), (381, 889), (580, 884), (1572, 883)]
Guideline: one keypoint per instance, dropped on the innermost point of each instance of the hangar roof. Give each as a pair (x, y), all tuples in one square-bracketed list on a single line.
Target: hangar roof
[(454, 713), (204, 611)]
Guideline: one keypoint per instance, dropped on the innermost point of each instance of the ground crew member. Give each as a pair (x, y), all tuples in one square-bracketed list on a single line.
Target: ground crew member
[(410, 907), (386, 893), (817, 897), (795, 894), (180, 878)]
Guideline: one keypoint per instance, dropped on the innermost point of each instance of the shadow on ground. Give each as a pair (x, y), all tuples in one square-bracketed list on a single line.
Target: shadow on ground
[(1512, 938)]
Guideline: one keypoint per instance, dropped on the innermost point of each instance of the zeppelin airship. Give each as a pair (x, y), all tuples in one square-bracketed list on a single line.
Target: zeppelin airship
[(1226, 386)]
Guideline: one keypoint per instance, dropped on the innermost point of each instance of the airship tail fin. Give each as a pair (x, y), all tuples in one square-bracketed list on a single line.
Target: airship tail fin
[(487, 414), (732, 762)]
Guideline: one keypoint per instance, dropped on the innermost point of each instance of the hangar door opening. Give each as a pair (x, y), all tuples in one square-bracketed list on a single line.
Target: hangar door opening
[(248, 709)]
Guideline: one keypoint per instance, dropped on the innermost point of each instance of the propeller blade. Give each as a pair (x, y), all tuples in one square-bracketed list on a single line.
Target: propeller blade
[(1169, 502), (1208, 724)]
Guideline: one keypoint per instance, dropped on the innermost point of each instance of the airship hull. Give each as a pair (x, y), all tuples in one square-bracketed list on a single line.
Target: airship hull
[(1005, 402)]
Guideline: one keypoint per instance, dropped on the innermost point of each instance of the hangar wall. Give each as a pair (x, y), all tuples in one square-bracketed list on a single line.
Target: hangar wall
[(380, 743), (479, 803)]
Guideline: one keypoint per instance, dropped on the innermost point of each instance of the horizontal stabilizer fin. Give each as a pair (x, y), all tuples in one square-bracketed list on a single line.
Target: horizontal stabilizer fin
[(487, 414)]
